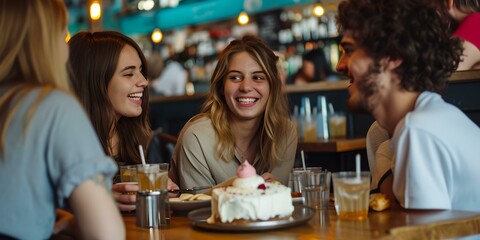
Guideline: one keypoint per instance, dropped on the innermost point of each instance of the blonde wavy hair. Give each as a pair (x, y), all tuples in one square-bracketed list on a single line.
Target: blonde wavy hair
[(30, 56), (273, 130)]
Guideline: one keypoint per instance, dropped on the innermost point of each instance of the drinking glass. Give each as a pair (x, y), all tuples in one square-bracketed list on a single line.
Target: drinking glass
[(152, 198), (309, 127), (351, 191), (316, 188), (295, 179), (128, 175), (337, 122), (152, 177)]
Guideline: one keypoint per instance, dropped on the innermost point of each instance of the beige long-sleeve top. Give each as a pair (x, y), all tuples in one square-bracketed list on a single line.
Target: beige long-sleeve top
[(380, 156), (195, 163)]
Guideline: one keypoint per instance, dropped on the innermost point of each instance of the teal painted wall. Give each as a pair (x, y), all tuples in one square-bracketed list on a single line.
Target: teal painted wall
[(195, 12), (185, 14), (78, 17)]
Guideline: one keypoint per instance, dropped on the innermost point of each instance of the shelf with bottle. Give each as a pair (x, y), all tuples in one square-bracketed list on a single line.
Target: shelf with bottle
[(308, 29), (302, 32), (289, 36)]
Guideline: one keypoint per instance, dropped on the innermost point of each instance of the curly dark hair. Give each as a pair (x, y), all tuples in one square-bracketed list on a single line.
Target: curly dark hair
[(414, 31)]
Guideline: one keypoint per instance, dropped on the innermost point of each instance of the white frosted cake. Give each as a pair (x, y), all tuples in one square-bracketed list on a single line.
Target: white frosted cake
[(250, 199)]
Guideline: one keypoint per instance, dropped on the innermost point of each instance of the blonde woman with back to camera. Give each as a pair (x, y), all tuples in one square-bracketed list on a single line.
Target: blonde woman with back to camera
[(50, 155)]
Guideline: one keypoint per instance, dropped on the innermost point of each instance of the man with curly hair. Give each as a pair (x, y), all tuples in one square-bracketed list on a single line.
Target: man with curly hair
[(398, 55)]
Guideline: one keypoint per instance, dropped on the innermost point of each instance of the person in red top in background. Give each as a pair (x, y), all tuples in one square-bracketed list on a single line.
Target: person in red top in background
[(467, 14)]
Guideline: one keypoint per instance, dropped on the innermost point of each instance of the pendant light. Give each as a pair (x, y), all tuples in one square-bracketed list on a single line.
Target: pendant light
[(318, 10), (157, 36), (243, 18), (95, 11)]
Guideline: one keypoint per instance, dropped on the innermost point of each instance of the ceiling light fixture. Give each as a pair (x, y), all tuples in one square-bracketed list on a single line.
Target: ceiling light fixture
[(157, 36), (318, 10), (243, 18), (95, 11)]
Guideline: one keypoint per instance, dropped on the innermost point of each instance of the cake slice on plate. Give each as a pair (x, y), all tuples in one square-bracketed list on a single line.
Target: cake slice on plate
[(250, 199)]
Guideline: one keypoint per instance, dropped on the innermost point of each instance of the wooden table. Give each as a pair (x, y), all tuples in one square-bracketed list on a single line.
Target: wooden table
[(389, 224), (332, 145)]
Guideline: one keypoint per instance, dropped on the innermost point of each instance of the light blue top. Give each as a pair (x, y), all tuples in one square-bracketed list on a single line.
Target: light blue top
[(42, 166), (437, 153)]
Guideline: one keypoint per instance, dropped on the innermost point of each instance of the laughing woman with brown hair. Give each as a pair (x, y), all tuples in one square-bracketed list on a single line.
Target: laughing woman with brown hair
[(109, 76)]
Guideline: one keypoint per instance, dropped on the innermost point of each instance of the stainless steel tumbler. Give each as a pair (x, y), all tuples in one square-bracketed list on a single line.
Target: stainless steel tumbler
[(153, 210)]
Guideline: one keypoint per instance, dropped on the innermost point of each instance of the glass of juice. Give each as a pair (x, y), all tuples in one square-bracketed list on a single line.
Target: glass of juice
[(128, 175), (351, 192), (152, 177), (337, 123)]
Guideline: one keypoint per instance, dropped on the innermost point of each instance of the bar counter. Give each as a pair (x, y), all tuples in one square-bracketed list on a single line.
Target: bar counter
[(336, 145), (394, 223)]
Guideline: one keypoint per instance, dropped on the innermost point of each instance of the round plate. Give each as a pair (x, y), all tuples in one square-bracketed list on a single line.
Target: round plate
[(182, 206), (301, 214)]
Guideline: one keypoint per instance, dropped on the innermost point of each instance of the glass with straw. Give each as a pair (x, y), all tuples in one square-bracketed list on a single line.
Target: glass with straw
[(152, 197), (296, 177), (351, 192), (151, 177)]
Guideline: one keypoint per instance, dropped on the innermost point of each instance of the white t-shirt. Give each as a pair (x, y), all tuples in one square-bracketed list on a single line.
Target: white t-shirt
[(437, 157)]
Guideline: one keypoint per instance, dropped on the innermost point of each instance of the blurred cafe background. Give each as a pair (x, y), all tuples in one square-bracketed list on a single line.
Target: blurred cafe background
[(195, 31), (182, 38)]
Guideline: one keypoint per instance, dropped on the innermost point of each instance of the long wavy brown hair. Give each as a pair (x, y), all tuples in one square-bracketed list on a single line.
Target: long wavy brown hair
[(414, 31), (30, 55), (93, 60), (273, 129)]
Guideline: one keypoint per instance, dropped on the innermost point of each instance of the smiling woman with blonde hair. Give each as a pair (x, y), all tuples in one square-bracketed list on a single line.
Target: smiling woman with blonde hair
[(50, 155), (245, 118)]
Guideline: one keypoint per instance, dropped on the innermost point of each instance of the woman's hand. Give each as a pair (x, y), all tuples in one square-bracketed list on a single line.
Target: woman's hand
[(125, 195), (268, 177), (171, 186)]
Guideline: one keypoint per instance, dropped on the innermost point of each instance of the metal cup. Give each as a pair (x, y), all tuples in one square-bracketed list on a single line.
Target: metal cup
[(153, 210)]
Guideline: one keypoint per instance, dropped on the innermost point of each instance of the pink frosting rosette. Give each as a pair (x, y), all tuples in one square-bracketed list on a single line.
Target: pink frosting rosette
[(246, 170), (247, 177)]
